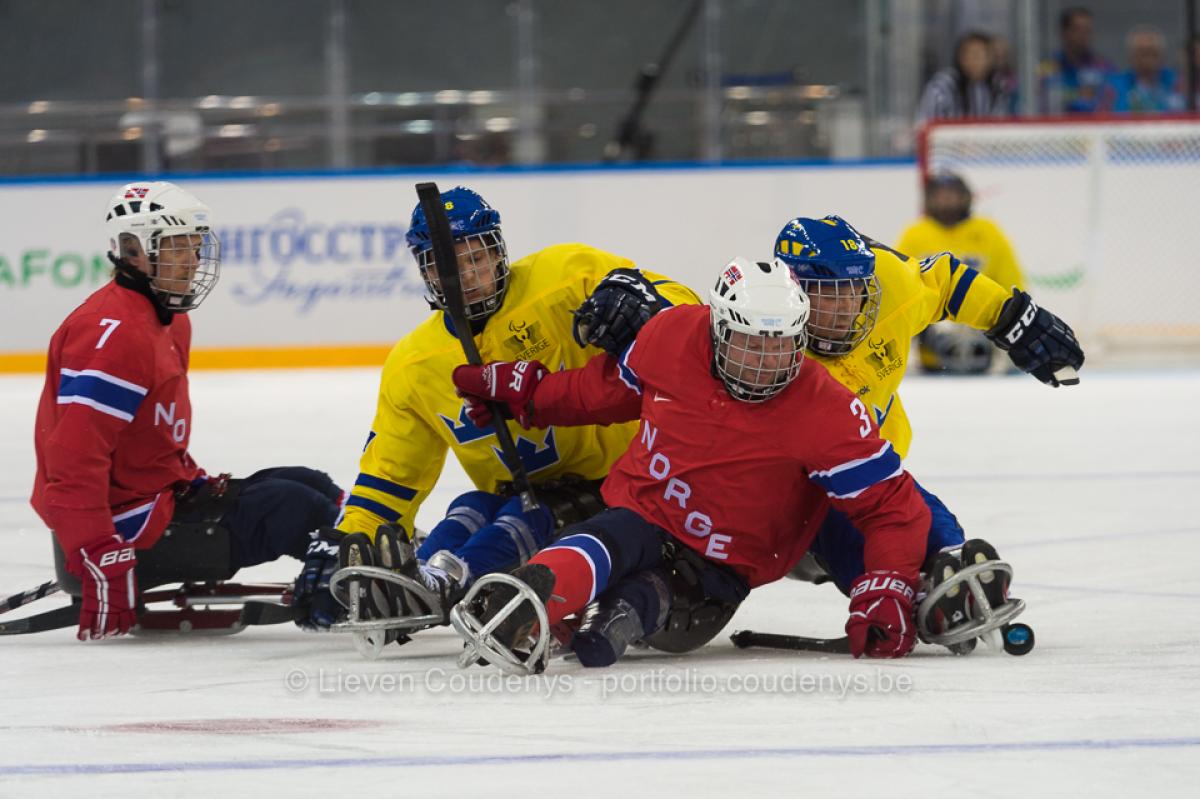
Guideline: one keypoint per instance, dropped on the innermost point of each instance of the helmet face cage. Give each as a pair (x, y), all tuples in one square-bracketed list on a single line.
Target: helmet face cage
[(843, 314), (184, 265), (483, 262), (755, 367), (758, 317)]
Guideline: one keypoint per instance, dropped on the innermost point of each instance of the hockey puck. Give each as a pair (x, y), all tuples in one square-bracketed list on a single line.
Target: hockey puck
[(1018, 639)]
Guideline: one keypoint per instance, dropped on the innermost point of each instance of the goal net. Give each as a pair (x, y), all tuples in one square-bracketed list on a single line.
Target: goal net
[(1104, 216)]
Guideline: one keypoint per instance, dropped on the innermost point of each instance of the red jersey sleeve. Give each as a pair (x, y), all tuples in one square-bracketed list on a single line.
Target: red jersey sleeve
[(99, 377), (604, 391), (863, 477)]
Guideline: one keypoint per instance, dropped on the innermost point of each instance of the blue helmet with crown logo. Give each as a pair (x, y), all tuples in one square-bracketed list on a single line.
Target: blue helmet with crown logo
[(836, 268), (482, 255)]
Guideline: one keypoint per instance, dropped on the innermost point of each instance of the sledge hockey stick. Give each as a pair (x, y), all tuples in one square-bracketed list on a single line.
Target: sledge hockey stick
[(447, 272), (252, 613), (744, 639), (24, 597)]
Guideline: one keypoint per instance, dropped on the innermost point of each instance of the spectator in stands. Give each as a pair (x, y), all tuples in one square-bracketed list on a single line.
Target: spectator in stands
[(1006, 73), (968, 89), (1074, 80), (1148, 86), (948, 226)]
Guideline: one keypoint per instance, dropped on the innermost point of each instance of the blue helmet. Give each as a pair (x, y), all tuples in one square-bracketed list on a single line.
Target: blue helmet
[(483, 264), (836, 267)]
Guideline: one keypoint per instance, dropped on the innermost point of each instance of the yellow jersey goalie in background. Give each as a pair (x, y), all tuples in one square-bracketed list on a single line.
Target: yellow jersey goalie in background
[(520, 311), (948, 225)]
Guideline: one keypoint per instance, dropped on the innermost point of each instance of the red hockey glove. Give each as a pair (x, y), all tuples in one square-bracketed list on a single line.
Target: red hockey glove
[(109, 589), (510, 383), (881, 624)]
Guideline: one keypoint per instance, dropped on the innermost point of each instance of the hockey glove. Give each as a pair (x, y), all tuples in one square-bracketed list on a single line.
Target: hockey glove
[(881, 623), (315, 606), (510, 383), (1037, 341), (620, 304), (109, 589)]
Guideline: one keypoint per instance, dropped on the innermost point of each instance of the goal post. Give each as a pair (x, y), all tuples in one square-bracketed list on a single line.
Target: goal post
[(1104, 215)]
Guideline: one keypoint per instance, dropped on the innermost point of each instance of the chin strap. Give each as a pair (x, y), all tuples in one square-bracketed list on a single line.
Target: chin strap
[(132, 278)]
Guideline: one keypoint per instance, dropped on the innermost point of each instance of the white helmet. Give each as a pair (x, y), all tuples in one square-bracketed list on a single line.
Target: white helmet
[(173, 229), (758, 314)]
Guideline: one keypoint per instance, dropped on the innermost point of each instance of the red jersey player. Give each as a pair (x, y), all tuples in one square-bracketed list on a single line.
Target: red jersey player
[(114, 419), (740, 437)]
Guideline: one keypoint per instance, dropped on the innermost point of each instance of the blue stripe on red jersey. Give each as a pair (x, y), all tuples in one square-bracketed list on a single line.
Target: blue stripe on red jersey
[(130, 524), (851, 479), (626, 373), (100, 391)]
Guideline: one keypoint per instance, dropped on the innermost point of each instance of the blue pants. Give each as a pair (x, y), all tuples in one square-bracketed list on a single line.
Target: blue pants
[(273, 513), (489, 532), (839, 544), (619, 542)]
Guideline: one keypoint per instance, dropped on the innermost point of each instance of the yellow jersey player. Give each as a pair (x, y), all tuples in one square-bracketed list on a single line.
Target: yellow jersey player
[(519, 311), (867, 304), (948, 226)]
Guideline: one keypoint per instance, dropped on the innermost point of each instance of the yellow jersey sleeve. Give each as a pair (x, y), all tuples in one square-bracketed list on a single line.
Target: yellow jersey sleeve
[(672, 291), (955, 291)]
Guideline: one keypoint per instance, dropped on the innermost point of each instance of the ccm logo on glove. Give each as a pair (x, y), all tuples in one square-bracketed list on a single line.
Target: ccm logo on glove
[(1018, 330)]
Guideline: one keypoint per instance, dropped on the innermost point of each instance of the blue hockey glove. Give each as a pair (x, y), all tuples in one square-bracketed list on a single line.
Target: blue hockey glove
[(1037, 341), (620, 304), (316, 608)]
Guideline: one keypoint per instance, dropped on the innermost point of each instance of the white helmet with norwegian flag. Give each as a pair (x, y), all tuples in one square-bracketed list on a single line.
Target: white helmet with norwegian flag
[(165, 233), (758, 314)]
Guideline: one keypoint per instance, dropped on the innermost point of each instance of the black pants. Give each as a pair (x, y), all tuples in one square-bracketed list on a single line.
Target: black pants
[(257, 520)]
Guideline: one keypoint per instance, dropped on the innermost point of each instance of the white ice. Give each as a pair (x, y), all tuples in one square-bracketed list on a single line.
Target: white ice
[(1090, 492)]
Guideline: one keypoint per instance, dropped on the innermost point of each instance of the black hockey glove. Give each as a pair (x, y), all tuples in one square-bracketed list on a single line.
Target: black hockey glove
[(621, 303), (1037, 341), (315, 606)]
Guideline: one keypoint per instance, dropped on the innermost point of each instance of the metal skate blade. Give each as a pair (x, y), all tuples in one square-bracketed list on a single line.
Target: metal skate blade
[(482, 644), (348, 573), (985, 617), (370, 644), (344, 583)]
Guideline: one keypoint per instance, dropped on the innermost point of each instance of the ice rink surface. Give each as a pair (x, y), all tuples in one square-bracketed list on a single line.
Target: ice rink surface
[(1090, 492)]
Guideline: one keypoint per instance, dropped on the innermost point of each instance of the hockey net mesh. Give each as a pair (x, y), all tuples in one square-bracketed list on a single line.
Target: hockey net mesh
[(1105, 220)]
